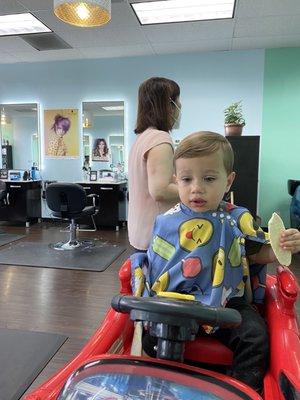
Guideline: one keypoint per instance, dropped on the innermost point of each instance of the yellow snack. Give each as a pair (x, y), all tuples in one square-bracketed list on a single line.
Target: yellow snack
[(276, 226)]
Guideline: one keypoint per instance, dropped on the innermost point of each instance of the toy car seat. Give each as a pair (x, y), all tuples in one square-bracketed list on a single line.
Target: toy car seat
[(205, 350)]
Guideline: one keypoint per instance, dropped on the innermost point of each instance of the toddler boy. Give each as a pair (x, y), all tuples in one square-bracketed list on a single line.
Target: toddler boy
[(203, 247)]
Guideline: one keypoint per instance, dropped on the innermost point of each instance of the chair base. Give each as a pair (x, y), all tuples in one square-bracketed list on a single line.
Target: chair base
[(93, 229), (72, 245), (78, 229)]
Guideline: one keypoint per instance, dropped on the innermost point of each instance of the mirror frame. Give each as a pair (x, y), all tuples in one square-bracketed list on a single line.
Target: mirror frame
[(38, 130), (108, 102)]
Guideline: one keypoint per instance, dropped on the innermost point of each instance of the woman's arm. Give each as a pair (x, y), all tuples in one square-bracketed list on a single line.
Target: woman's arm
[(160, 174)]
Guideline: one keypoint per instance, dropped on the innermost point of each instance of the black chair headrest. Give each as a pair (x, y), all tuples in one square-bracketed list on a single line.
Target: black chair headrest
[(65, 197), (292, 185)]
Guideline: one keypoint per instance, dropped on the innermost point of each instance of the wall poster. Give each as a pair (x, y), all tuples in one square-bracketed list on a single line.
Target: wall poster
[(61, 135), (100, 150)]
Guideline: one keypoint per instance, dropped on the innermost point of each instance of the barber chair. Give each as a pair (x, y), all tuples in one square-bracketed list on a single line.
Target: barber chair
[(294, 190), (69, 201)]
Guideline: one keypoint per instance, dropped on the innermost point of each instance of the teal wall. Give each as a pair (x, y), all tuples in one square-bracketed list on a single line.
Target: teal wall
[(280, 146)]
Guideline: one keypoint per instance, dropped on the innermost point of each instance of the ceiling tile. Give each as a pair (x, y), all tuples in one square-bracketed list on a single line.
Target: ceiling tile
[(267, 26), (6, 58), (122, 13), (11, 7), (52, 55), (189, 31), (116, 51), (265, 42), (36, 5), (106, 37), (187, 47), (257, 8), (13, 43), (246, 8)]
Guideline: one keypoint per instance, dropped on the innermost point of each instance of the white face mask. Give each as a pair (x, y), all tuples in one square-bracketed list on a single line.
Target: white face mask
[(177, 120)]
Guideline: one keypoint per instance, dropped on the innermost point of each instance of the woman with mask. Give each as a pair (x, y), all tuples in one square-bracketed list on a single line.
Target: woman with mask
[(150, 170)]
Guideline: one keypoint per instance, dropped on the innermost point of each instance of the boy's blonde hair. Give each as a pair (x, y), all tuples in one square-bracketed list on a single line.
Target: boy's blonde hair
[(205, 143)]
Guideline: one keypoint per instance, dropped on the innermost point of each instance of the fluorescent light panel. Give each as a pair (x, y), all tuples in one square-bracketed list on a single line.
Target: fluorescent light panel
[(21, 24), (166, 11), (113, 108)]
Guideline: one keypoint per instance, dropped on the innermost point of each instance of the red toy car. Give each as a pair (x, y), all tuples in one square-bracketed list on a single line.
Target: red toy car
[(104, 368)]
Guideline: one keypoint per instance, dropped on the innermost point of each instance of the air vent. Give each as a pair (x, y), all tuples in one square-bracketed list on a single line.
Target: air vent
[(45, 41)]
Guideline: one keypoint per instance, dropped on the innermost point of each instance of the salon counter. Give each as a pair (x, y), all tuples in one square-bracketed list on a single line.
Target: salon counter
[(102, 181), (23, 201)]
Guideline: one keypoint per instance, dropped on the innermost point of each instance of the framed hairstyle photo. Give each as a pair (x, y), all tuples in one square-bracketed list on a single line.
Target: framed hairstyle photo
[(100, 150), (93, 176)]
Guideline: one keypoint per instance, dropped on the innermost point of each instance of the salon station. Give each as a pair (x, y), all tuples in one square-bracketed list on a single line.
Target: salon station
[(103, 179), (68, 106)]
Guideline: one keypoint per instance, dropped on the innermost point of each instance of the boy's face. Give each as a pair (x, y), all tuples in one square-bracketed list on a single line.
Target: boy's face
[(202, 181)]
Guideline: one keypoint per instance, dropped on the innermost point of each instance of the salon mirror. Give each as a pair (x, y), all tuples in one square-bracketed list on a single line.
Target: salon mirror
[(103, 135), (19, 130)]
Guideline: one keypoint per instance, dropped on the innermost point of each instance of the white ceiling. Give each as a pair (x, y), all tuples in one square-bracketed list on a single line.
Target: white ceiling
[(257, 24)]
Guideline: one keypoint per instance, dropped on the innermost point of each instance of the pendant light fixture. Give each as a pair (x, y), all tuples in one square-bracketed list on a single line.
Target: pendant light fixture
[(86, 14)]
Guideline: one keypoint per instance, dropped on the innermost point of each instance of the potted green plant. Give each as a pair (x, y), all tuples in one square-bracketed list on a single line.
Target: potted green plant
[(234, 120)]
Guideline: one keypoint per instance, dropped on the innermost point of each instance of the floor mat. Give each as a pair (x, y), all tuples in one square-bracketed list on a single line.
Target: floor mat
[(36, 254), (23, 355), (6, 238)]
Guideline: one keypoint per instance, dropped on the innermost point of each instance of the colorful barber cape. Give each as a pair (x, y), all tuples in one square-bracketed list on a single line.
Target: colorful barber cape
[(201, 254)]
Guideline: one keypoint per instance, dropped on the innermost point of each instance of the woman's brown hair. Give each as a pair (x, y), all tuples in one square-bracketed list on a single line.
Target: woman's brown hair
[(155, 107)]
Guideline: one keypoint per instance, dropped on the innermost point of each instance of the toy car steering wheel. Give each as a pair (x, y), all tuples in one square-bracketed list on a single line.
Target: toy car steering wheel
[(174, 321)]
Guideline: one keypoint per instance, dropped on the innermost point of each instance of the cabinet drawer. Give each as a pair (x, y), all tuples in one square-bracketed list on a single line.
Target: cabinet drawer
[(24, 201), (109, 198)]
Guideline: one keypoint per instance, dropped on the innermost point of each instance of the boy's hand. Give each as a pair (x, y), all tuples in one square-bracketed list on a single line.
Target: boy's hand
[(290, 240)]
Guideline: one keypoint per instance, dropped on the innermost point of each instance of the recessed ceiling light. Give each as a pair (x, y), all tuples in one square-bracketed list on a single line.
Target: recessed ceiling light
[(21, 24), (167, 11), (113, 108)]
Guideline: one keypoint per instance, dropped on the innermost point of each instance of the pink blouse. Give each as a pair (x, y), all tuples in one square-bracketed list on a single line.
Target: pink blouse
[(142, 208)]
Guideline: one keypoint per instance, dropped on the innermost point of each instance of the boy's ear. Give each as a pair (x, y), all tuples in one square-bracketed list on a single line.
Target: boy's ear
[(230, 179), (174, 179)]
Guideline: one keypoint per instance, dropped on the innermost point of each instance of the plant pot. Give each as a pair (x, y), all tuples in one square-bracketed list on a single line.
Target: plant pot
[(233, 129)]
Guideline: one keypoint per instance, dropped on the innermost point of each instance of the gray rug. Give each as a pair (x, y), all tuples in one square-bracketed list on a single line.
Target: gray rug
[(6, 238), (23, 355), (36, 254)]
